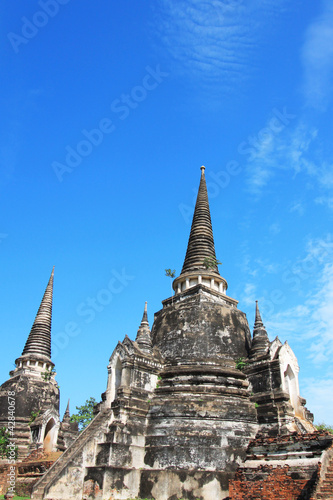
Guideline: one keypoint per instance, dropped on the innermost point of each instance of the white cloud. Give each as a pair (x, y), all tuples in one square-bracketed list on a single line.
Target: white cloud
[(322, 303), (297, 207), (266, 266), (326, 174), (216, 41), (325, 200), (320, 250), (295, 148), (317, 58), (289, 324), (249, 295), (310, 323)]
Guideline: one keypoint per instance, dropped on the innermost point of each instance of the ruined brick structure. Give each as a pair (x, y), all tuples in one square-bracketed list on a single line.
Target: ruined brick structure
[(179, 418), (35, 392), (286, 467)]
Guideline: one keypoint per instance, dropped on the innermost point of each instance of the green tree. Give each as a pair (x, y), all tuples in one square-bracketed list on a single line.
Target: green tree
[(85, 413), (324, 427)]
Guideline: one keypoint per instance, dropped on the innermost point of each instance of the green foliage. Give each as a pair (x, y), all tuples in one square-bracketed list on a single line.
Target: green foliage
[(169, 273), (85, 413), (324, 427), (33, 416), (48, 374), (6, 449), (4, 441), (211, 262), (240, 363)]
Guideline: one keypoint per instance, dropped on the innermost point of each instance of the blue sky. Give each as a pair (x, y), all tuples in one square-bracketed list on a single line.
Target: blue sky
[(108, 111)]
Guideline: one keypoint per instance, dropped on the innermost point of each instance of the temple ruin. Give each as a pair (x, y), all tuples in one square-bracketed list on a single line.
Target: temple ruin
[(194, 408)]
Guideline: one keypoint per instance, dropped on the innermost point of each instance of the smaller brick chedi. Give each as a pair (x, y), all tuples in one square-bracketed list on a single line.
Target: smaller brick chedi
[(178, 414), (35, 392)]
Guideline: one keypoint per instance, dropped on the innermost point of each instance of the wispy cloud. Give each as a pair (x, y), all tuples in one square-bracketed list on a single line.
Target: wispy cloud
[(321, 348), (297, 207), (296, 149), (317, 58), (215, 40), (266, 266), (311, 323), (308, 325), (325, 200), (250, 294)]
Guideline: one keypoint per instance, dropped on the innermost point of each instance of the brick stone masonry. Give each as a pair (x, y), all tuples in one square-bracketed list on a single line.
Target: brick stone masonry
[(278, 485), (27, 472), (4, 470), (32, 468), (307, 478)]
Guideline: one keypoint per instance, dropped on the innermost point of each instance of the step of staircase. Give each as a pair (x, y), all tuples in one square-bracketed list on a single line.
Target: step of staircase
[(324, 489), (68, 455)]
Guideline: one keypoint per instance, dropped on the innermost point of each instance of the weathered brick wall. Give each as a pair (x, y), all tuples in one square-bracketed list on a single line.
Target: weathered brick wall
[(4, 471), (311, 440), (31, 469), (278, 485), (27, 472)]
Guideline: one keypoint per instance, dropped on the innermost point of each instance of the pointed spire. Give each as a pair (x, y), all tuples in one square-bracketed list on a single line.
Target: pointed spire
[(67, 416), (201, 241), (144, 321), (143, 338), (258, 321), (200, 265), (260, 344), (39, 340)]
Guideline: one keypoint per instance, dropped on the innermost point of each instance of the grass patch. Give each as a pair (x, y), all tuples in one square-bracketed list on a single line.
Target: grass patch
[(15, 498)]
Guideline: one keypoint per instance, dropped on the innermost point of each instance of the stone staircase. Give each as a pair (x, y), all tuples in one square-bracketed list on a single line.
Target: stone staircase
[(324, 489), (41, 487)]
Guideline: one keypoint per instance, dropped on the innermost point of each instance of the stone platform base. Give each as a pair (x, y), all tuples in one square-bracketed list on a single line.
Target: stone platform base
[(122, 483)]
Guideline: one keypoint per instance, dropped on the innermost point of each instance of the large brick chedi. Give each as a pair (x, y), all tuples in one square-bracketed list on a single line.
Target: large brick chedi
[(178, 412)]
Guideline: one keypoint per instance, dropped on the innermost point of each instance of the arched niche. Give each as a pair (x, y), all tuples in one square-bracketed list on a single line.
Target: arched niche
[(49, 436), (35, 433), (290, 382), (117, 375)]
